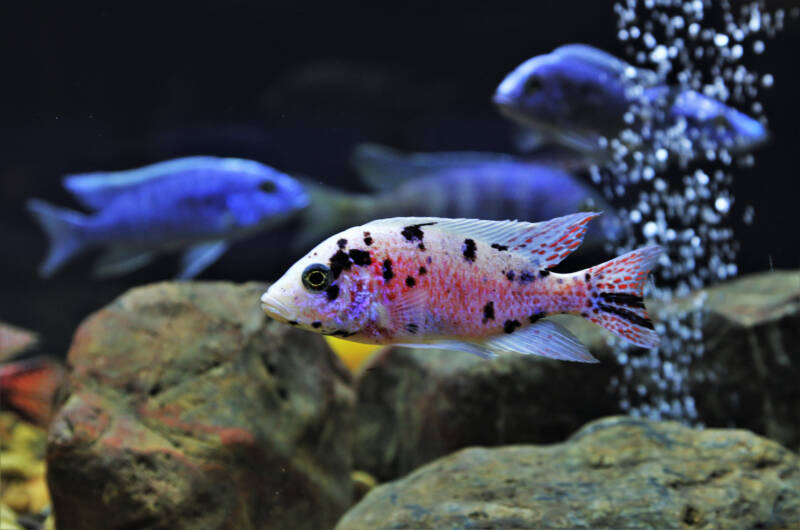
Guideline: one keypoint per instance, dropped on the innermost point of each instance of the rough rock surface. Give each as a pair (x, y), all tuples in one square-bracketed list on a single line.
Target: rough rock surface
[(617, 472), (188, 408), (417, 405)]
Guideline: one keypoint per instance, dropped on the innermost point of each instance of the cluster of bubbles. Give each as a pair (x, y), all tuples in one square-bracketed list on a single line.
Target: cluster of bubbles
[(677, 182)]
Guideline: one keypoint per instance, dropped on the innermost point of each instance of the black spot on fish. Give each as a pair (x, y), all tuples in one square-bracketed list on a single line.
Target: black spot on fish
[(410, 281), (587, 278), (498, 246), (387, 270), (342, 333), (488, 312), (367, 240), (510, 275), (510, 325), (339, 262), (421, 246), (422, 271), (412, 328), (469, 249), (630, 300), (360, 257), (526, 277), (537, 316), (316, 324), (544, 273), (413, 232), (332, 292), (292, 322), (341, 243)]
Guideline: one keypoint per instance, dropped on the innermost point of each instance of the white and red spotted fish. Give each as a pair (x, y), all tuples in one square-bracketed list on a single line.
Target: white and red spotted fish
[(463, 284)]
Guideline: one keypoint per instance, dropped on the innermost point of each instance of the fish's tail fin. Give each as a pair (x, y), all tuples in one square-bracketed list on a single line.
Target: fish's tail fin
[(382, 168), (29, 386), (615, 296), (330, 211), (64, 228)]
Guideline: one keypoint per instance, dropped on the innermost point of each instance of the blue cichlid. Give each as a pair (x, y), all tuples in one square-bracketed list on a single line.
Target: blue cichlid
[(196, 204), (577, 95), (452, 184)]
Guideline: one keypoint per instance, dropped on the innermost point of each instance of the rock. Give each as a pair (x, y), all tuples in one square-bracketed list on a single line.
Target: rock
[(748, 377), (188, 408), (15, 341), (617, 472), (417, 405)]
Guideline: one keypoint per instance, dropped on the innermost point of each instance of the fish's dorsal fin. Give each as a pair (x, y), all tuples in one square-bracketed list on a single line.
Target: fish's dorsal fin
[(605, 61), (95, 190), (383, 168), (544, 244), (545, 338)]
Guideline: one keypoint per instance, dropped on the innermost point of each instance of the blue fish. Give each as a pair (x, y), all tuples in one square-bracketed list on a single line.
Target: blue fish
[(465, 184), (197, 205), (577, 95)]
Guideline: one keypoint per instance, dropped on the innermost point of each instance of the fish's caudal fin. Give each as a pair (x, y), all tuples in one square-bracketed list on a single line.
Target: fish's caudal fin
[(64, 228), (615, 292)]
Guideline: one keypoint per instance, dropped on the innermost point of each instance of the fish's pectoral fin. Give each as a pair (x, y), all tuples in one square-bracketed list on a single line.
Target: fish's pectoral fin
[(198, 257), (405, 315), (120, 260), (474, 348), (545, 338)]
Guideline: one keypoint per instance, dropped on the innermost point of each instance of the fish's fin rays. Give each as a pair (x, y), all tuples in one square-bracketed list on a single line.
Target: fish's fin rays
[(198, 257), (619, 285), (382, 168), (544, 244), (119, 260), (454, 345), (407, 312), (544, 338), (95, 190), (64, 229)]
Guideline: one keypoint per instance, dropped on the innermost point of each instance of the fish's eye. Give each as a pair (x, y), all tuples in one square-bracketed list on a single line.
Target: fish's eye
[(532, 85), (316, 278), (267, 186)]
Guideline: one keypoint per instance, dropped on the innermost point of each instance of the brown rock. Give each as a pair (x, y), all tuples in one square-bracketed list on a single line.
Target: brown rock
[(617, 472), (188, 408)]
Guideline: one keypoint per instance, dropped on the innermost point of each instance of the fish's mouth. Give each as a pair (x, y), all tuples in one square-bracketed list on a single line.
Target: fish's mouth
[(275, 309)]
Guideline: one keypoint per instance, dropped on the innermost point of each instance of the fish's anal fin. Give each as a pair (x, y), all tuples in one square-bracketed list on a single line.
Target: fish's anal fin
[(544, 338), (475, 348), (544, 244), (117, 261), (406, 313), (200, 256)]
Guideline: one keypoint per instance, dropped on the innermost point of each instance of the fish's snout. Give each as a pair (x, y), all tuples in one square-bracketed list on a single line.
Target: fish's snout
[(275, 309)]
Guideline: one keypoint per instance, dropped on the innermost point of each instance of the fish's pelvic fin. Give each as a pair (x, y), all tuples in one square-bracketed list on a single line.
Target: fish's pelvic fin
[(616, 293), (64, 228), (545, 338), (120, 260), (200, 256)]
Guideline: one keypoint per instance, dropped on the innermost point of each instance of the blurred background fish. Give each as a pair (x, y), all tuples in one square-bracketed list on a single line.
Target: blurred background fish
[(28, 387), (454, 184), (577, 95), (197, 205)]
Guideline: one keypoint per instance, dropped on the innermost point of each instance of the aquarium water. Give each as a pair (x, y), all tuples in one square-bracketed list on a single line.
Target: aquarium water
[(677, 190)]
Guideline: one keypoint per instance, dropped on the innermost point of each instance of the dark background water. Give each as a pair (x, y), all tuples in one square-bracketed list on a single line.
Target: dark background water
[(101, 85)]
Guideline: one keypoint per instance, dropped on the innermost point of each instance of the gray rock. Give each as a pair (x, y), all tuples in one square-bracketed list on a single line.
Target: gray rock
[(617, 472), (188, 408)]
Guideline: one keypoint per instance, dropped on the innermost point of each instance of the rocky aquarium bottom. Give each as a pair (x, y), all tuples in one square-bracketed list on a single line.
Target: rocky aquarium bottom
[(186, 407)]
